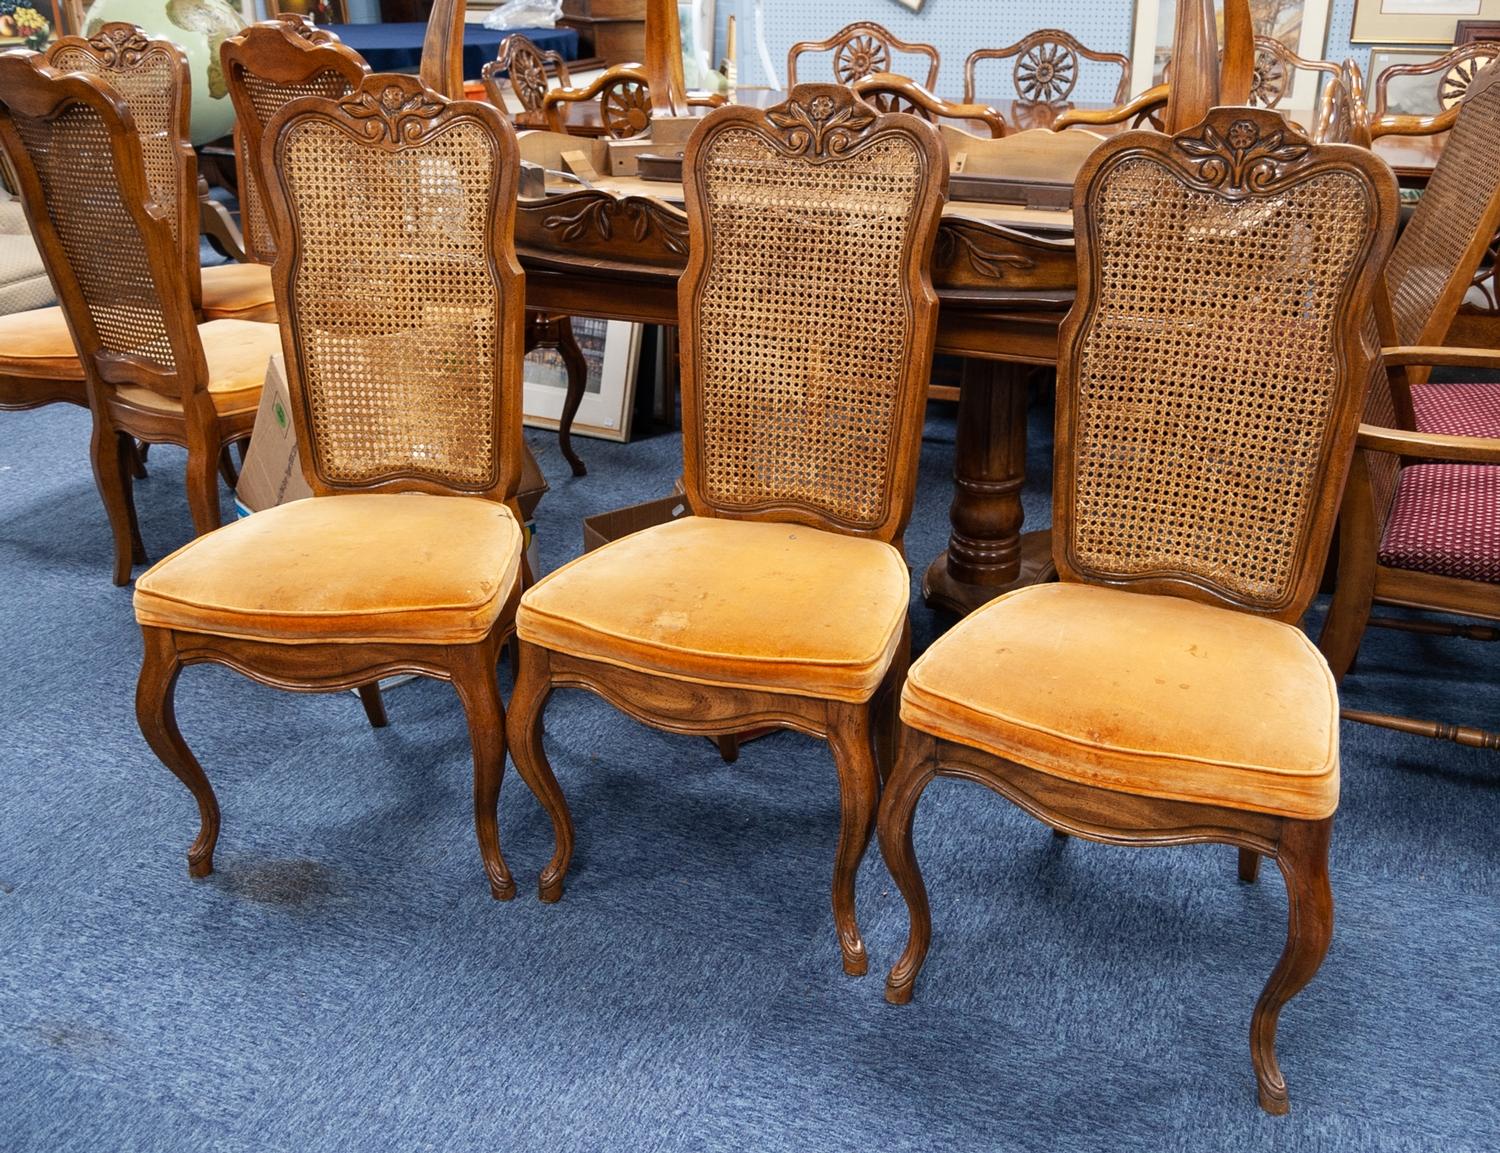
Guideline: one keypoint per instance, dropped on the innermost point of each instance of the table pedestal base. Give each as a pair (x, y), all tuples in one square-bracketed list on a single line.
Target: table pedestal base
[(942, 590)]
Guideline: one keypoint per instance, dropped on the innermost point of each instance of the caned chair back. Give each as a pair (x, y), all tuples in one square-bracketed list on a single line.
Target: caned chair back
[(107, 245), (402, 300), (152, 76), (1443, 244), (267, 66), (806, 311), (1214, 367)]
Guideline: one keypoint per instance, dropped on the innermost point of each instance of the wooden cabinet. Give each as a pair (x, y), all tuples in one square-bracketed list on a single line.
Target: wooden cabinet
[(613, 30)]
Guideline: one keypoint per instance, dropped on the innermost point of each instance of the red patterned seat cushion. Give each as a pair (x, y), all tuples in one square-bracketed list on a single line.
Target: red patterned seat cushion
[(1445, 520), (1457, 409)]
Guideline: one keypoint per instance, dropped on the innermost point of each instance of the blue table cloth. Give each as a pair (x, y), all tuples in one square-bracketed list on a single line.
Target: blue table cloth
[(398, 47)]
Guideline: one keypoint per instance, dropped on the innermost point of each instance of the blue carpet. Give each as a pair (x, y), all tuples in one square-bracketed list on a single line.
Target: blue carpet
[(344, 980)]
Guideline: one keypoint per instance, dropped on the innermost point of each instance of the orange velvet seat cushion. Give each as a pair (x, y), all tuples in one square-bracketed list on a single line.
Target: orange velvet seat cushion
[(1150, 695), (364, 567), (237, 352), (743, 604), (38, 343), (238, 292)]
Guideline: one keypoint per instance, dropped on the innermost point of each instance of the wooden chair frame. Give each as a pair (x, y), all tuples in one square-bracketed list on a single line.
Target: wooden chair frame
[(1273, 60), (1343, 116), (288, 51), (891, 93), (624, 95), (38, 91), (525, 66), (1299, 847), (1046, 67), (1146, 108), (408, 121), (1364, 582), (862, 49), (1455, 72), (827, 122)]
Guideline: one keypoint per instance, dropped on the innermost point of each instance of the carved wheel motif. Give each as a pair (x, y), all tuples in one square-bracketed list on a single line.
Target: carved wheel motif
[(858, 57), (1268, 81), (625, 109), (528, 78), (1045, 73), (892, 102), (1454, 85)]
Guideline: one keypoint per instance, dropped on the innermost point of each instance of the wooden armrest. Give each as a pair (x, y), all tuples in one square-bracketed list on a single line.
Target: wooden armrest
[(560, 96), (1427, 355), (1429, 445), (1147, 101), (903, 89), (707, 99), (1414, 125)]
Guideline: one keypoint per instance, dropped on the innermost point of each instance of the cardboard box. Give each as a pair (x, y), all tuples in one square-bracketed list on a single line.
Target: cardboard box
[(604, 527), (272, 472)]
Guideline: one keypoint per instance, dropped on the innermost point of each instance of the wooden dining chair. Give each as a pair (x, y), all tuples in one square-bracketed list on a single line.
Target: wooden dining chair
[(862, 49), (525, 67), (1275, 67), (39, 363), (266, 66), (152, 75), (1045, 67), (807, 326), (624, 96), (152, 373), (406, 394), (1209, 385), (891, 93), (1452, 74), (1343, 116)]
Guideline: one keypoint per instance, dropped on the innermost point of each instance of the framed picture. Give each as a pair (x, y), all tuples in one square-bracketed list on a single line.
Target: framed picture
[(1416, 21), (611, 348), (27, 23), (1405, 95), (1302, 25), (1473, 31)]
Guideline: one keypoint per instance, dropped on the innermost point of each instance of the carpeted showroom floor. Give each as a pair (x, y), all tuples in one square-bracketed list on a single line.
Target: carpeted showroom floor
[(344, 982)]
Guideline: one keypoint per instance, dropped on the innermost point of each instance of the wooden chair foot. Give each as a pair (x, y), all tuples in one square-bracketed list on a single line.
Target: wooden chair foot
[(1249, 866), (915, 768), (474, 679), (1303, 857), (1059, 834), (374, 703), (156, 713), (729, 747), (527, 703), (851, 738)]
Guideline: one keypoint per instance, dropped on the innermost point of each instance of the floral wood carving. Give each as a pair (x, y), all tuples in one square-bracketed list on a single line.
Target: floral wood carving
[(1045, 72), (528, 74), (1245, 158), (394, 108), (596, 217), (120, 46), (954, 244), (859, 56), (300, 26), (823, 125)]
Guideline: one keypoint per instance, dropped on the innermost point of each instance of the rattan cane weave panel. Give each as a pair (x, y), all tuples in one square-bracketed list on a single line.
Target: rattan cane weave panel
[(72, 157), (1206, 376), (148, 85), (804, 324), (396, 307), (1452, 209), (269, 98)]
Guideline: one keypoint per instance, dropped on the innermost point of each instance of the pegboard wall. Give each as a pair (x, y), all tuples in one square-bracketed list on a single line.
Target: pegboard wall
[(957, 27)]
